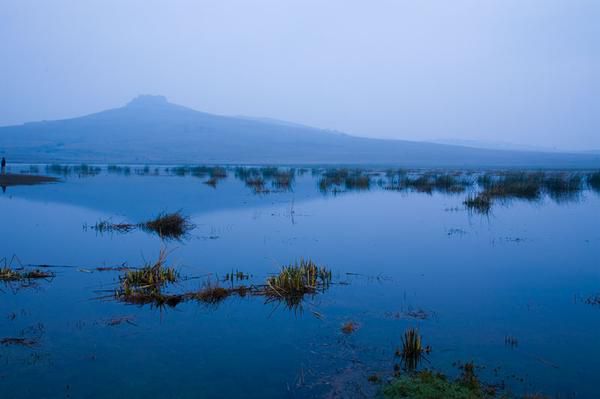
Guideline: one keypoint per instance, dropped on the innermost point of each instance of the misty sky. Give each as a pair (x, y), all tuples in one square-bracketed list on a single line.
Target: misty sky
[(520, 71)]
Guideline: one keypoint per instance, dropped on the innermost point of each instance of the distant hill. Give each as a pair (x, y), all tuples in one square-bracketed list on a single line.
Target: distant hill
[(495, 145), (151, 130)]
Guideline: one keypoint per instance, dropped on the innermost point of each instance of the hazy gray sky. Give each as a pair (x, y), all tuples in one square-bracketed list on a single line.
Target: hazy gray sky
[(521, 71)]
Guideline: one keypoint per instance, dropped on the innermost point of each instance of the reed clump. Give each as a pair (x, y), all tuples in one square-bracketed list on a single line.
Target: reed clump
[(144, 285), (426, 182), (259, 178), (563, 186), (299, 279), (166, 225), (335, 179), (169, 225), (521, 185), (283, 179), (118, 169), (257, 183), (8, 274), (412, 349), (480, 203), (357, 182), (593, 181), (295, 281), (236, 276), (212, 294)]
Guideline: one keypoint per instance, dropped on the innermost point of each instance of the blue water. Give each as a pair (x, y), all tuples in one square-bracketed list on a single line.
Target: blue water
[(523, 271)]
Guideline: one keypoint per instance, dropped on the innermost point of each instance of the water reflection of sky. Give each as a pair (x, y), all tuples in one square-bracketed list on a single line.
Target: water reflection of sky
[(522, 271)]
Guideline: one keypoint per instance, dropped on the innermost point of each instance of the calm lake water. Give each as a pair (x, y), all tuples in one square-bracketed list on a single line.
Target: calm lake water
[(399, 259)]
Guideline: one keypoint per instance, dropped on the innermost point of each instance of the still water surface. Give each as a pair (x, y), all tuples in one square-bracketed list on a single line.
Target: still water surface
[(523, 271)]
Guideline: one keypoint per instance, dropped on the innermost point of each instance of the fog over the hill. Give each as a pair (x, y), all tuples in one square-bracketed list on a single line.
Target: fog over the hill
[(150, 129), (525, 73)]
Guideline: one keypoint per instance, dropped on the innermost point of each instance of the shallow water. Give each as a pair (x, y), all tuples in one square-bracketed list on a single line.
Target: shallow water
[(524, 271)]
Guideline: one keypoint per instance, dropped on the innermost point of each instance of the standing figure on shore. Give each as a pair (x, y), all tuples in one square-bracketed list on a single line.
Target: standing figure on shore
[(3, 165)]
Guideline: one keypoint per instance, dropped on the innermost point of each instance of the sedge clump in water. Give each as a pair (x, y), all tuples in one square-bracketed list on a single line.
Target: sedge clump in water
[(412, 349), (295, 281), (9, 274), (144, 286), (169, 225)]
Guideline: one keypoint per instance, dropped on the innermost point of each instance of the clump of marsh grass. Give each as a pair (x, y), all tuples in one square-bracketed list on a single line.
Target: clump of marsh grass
[(335, 179), (169, 225), (520, 185), (213, 181), (217, 172), (9, 274), (284, 179), (256, 183), (357, 182), (212, 294), (295, 281), (118, 169), (563, 186), (299, 278), (236, 276), (149, 276), (84, 170), (529, 186), (480, 203), (214, 172), (144, 285), (593, 180), (412, 349), (58, 169), (259, 178), (426, 182), (450, 183)]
